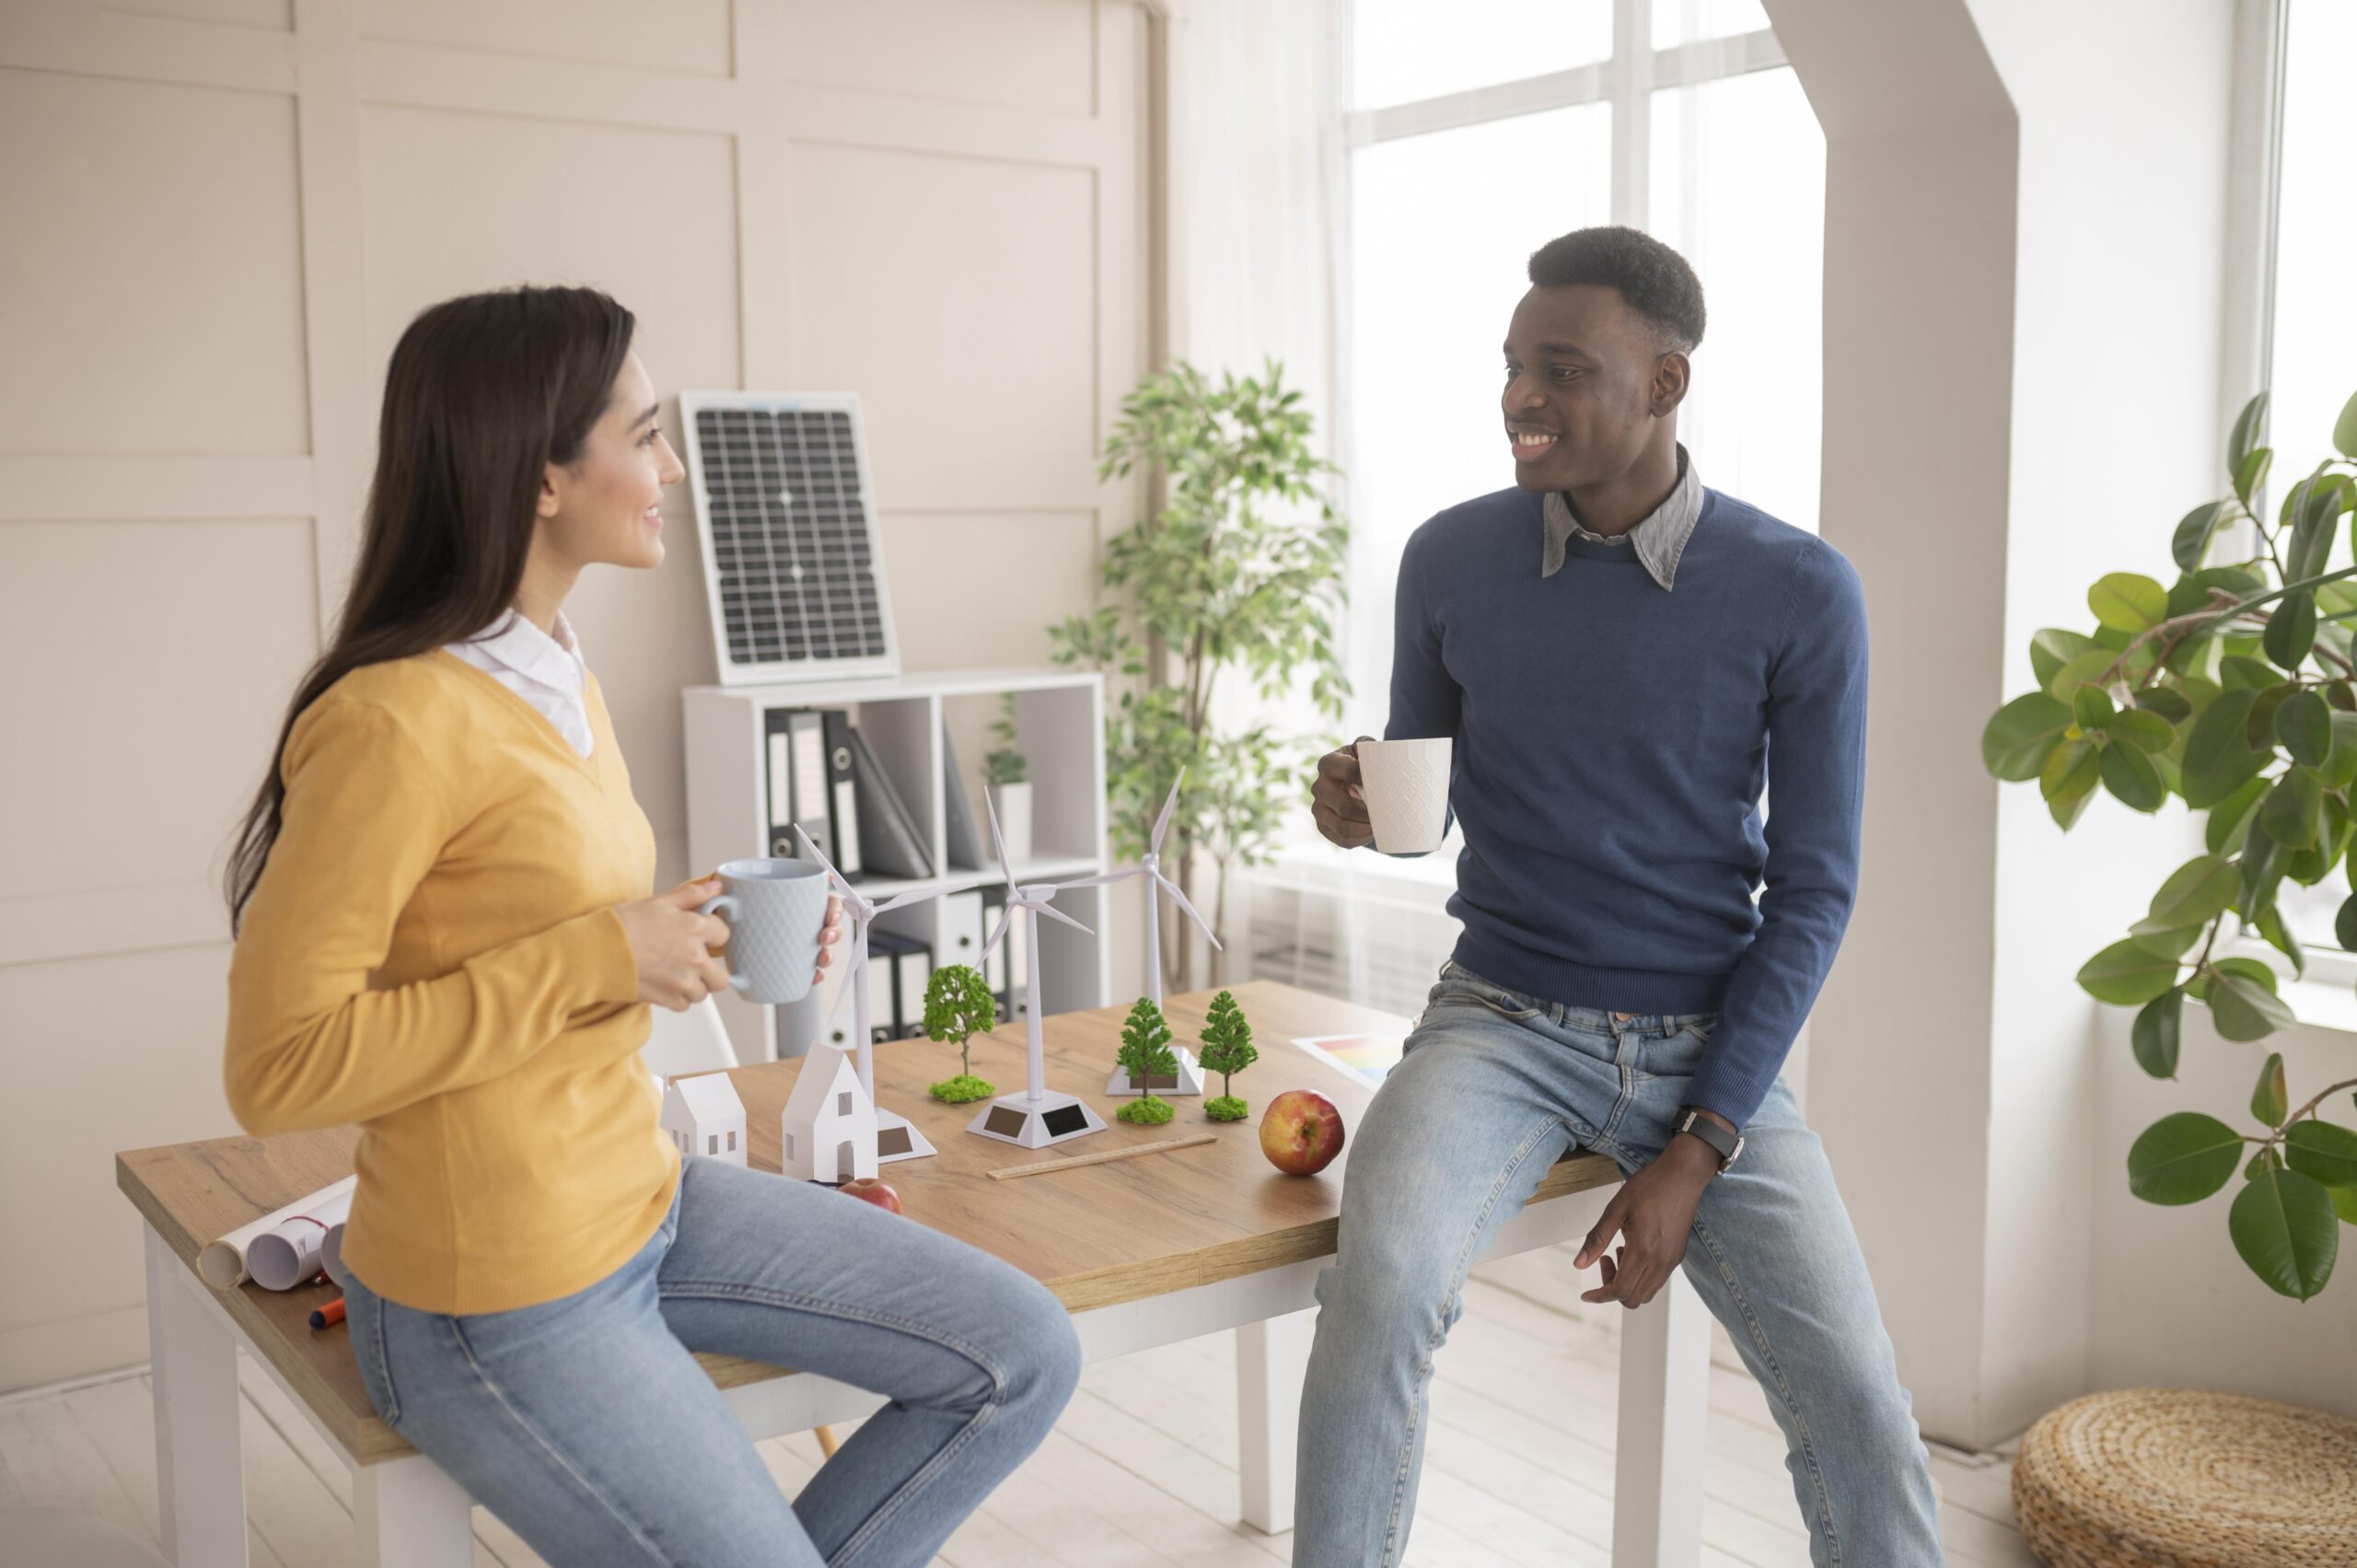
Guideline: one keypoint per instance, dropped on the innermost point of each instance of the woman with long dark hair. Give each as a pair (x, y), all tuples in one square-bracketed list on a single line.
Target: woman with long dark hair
[(444, 934)]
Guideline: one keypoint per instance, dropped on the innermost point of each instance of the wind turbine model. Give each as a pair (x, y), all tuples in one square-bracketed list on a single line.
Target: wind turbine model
[(1190, 1077), (896, 1136), (1036, 1117)]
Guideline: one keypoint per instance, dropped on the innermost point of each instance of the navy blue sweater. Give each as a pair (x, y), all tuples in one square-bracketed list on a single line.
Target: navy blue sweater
[(1612, 740)]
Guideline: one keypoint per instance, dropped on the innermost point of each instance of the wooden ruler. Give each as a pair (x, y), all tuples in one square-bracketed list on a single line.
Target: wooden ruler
[(1042, 1168)]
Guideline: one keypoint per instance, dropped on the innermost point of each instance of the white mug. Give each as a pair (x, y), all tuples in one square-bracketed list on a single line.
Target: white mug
[(1406, 785), (775, 909)]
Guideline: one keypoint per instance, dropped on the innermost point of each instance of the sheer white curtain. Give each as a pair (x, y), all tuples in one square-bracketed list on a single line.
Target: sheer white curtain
[(1254, 158)]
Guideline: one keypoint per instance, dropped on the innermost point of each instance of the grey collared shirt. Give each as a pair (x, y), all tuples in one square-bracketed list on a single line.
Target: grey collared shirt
[(1658, 540)]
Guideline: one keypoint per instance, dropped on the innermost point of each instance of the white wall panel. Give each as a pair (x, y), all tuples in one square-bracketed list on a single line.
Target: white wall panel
[(681, 35), (151, 285), (958, 296), (149, 665), (1038, 55), (269, 15)]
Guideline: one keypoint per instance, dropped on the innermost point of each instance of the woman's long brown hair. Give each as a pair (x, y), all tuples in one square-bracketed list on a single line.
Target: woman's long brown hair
[(483, 394)]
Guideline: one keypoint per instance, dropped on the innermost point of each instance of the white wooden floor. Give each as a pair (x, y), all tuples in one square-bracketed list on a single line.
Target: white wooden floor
[(1140, 1472)]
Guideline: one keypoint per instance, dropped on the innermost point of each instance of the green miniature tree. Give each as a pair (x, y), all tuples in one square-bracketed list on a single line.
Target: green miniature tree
[(1146, 1056), (957, 1007), (1228, 1049)]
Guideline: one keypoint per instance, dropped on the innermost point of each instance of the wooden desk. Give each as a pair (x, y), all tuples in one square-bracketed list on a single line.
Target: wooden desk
[(1142, 1252)]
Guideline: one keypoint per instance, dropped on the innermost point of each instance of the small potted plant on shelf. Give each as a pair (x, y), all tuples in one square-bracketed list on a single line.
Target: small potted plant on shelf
[(1008, 772), (1227, 1050), (1147, 1056), (957, 1007)]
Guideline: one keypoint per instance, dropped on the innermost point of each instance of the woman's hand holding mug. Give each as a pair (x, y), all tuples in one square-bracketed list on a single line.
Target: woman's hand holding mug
[(675, 948)]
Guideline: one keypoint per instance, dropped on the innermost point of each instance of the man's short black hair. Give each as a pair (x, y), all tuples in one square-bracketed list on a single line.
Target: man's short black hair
[(1652, 277)]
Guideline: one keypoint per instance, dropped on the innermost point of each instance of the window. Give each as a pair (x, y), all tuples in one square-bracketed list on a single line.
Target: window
[(2312, 337), (789, 1145), (843, 1103), (732, 1140), (1479, 131), (711, 1143)]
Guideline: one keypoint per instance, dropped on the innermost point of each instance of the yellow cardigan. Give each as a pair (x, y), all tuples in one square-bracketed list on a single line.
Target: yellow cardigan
[(432, 952)]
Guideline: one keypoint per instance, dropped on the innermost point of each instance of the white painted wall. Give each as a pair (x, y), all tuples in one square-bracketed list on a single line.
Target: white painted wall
[(2024, 248), (2119, 287), (221, 214), (1917, 368)]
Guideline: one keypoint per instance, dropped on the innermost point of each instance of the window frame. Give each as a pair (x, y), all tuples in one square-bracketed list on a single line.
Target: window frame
[(2255, 186), (1627, 80)]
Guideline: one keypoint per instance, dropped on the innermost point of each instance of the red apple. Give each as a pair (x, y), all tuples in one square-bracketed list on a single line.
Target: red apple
[(1301, 1131), (868, 1190)]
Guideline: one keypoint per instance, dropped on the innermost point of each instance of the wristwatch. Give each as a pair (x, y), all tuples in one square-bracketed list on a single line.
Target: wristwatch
[(1729, 1145)]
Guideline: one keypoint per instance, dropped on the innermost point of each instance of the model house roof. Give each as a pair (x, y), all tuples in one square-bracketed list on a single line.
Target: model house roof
[(711, 1098), (819, 1082)]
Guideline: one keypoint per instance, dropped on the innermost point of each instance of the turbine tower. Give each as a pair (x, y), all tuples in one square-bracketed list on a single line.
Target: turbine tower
[(897, 1137), (1038, 1116)]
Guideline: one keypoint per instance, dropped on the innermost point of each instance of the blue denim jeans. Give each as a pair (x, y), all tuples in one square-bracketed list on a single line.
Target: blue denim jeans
[(1495, 1087), (585, 1423)]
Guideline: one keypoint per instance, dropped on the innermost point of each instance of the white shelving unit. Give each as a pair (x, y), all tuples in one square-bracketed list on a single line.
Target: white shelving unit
[(1059, 727)]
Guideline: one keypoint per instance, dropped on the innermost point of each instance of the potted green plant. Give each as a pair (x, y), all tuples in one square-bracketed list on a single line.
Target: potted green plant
[(957, 1007), (1007, 774), (1227, 1050), (2234, 688), (1147, 1056), (1236, 574)]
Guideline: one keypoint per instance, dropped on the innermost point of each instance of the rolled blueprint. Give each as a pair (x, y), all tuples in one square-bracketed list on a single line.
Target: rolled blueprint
[(288, 1253), (331, 1255), (223, 1265)]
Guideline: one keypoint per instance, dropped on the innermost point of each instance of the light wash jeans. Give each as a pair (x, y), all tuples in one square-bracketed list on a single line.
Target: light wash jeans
[(1495, 1087), (585, 1423)]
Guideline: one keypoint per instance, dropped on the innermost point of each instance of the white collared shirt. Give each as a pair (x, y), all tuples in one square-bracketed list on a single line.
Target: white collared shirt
[(1659, 538), (545, 671)]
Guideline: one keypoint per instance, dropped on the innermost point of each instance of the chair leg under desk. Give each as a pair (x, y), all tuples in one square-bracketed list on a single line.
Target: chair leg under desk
[(1665, 1399), (407, 1513), (1271, 1358), (200, 1476)]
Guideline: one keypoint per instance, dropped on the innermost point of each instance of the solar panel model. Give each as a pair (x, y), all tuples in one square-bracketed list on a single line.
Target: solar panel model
[(793, 560)]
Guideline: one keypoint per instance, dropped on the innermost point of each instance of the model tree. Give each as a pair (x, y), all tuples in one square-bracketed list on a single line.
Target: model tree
[(1228, 1049), (957, 1007), (1146, 1056)]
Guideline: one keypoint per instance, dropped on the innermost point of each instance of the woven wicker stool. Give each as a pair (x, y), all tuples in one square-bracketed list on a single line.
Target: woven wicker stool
[(2173, 1478)]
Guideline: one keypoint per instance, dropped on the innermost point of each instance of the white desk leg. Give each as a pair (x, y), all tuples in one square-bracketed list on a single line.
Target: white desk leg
[(409, 1513), (200, 1477), (1271, 1356), (1665, 1398)]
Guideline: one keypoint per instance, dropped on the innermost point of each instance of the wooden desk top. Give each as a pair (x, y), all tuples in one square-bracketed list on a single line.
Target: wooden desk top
[(1097, 1235)]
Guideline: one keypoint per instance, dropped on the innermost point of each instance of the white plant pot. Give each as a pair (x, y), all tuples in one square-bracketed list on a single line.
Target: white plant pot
[(1013, 804)]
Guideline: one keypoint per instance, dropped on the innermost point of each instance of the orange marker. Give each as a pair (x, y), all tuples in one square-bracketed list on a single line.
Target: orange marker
[(328, 1316)]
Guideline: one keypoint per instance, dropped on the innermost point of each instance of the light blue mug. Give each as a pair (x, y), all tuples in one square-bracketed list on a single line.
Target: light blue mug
[(775, 909)]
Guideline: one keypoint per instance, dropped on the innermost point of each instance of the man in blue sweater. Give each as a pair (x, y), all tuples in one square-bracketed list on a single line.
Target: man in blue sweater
[(1622, 659)]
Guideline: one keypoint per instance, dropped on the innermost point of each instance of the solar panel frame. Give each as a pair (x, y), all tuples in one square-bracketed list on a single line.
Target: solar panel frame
[(770, 625)]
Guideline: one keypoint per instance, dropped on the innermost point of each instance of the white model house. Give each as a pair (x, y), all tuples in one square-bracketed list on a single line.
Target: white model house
[(829, 1122), (704, 1116)]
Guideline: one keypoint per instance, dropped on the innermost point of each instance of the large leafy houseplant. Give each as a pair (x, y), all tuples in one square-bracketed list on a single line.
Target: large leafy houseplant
[(1238, 570), (2234, 688)]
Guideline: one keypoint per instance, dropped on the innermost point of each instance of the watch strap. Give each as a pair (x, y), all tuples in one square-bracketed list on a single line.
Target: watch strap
[(1729, 1143)]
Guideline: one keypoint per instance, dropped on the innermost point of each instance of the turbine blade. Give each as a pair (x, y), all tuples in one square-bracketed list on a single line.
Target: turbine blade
[(1004, 916), (1099, 881), (828, 866), (913, 896), (850, 982), (1046, 908), (1172, 889), (998, 842), (1162, 823)]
